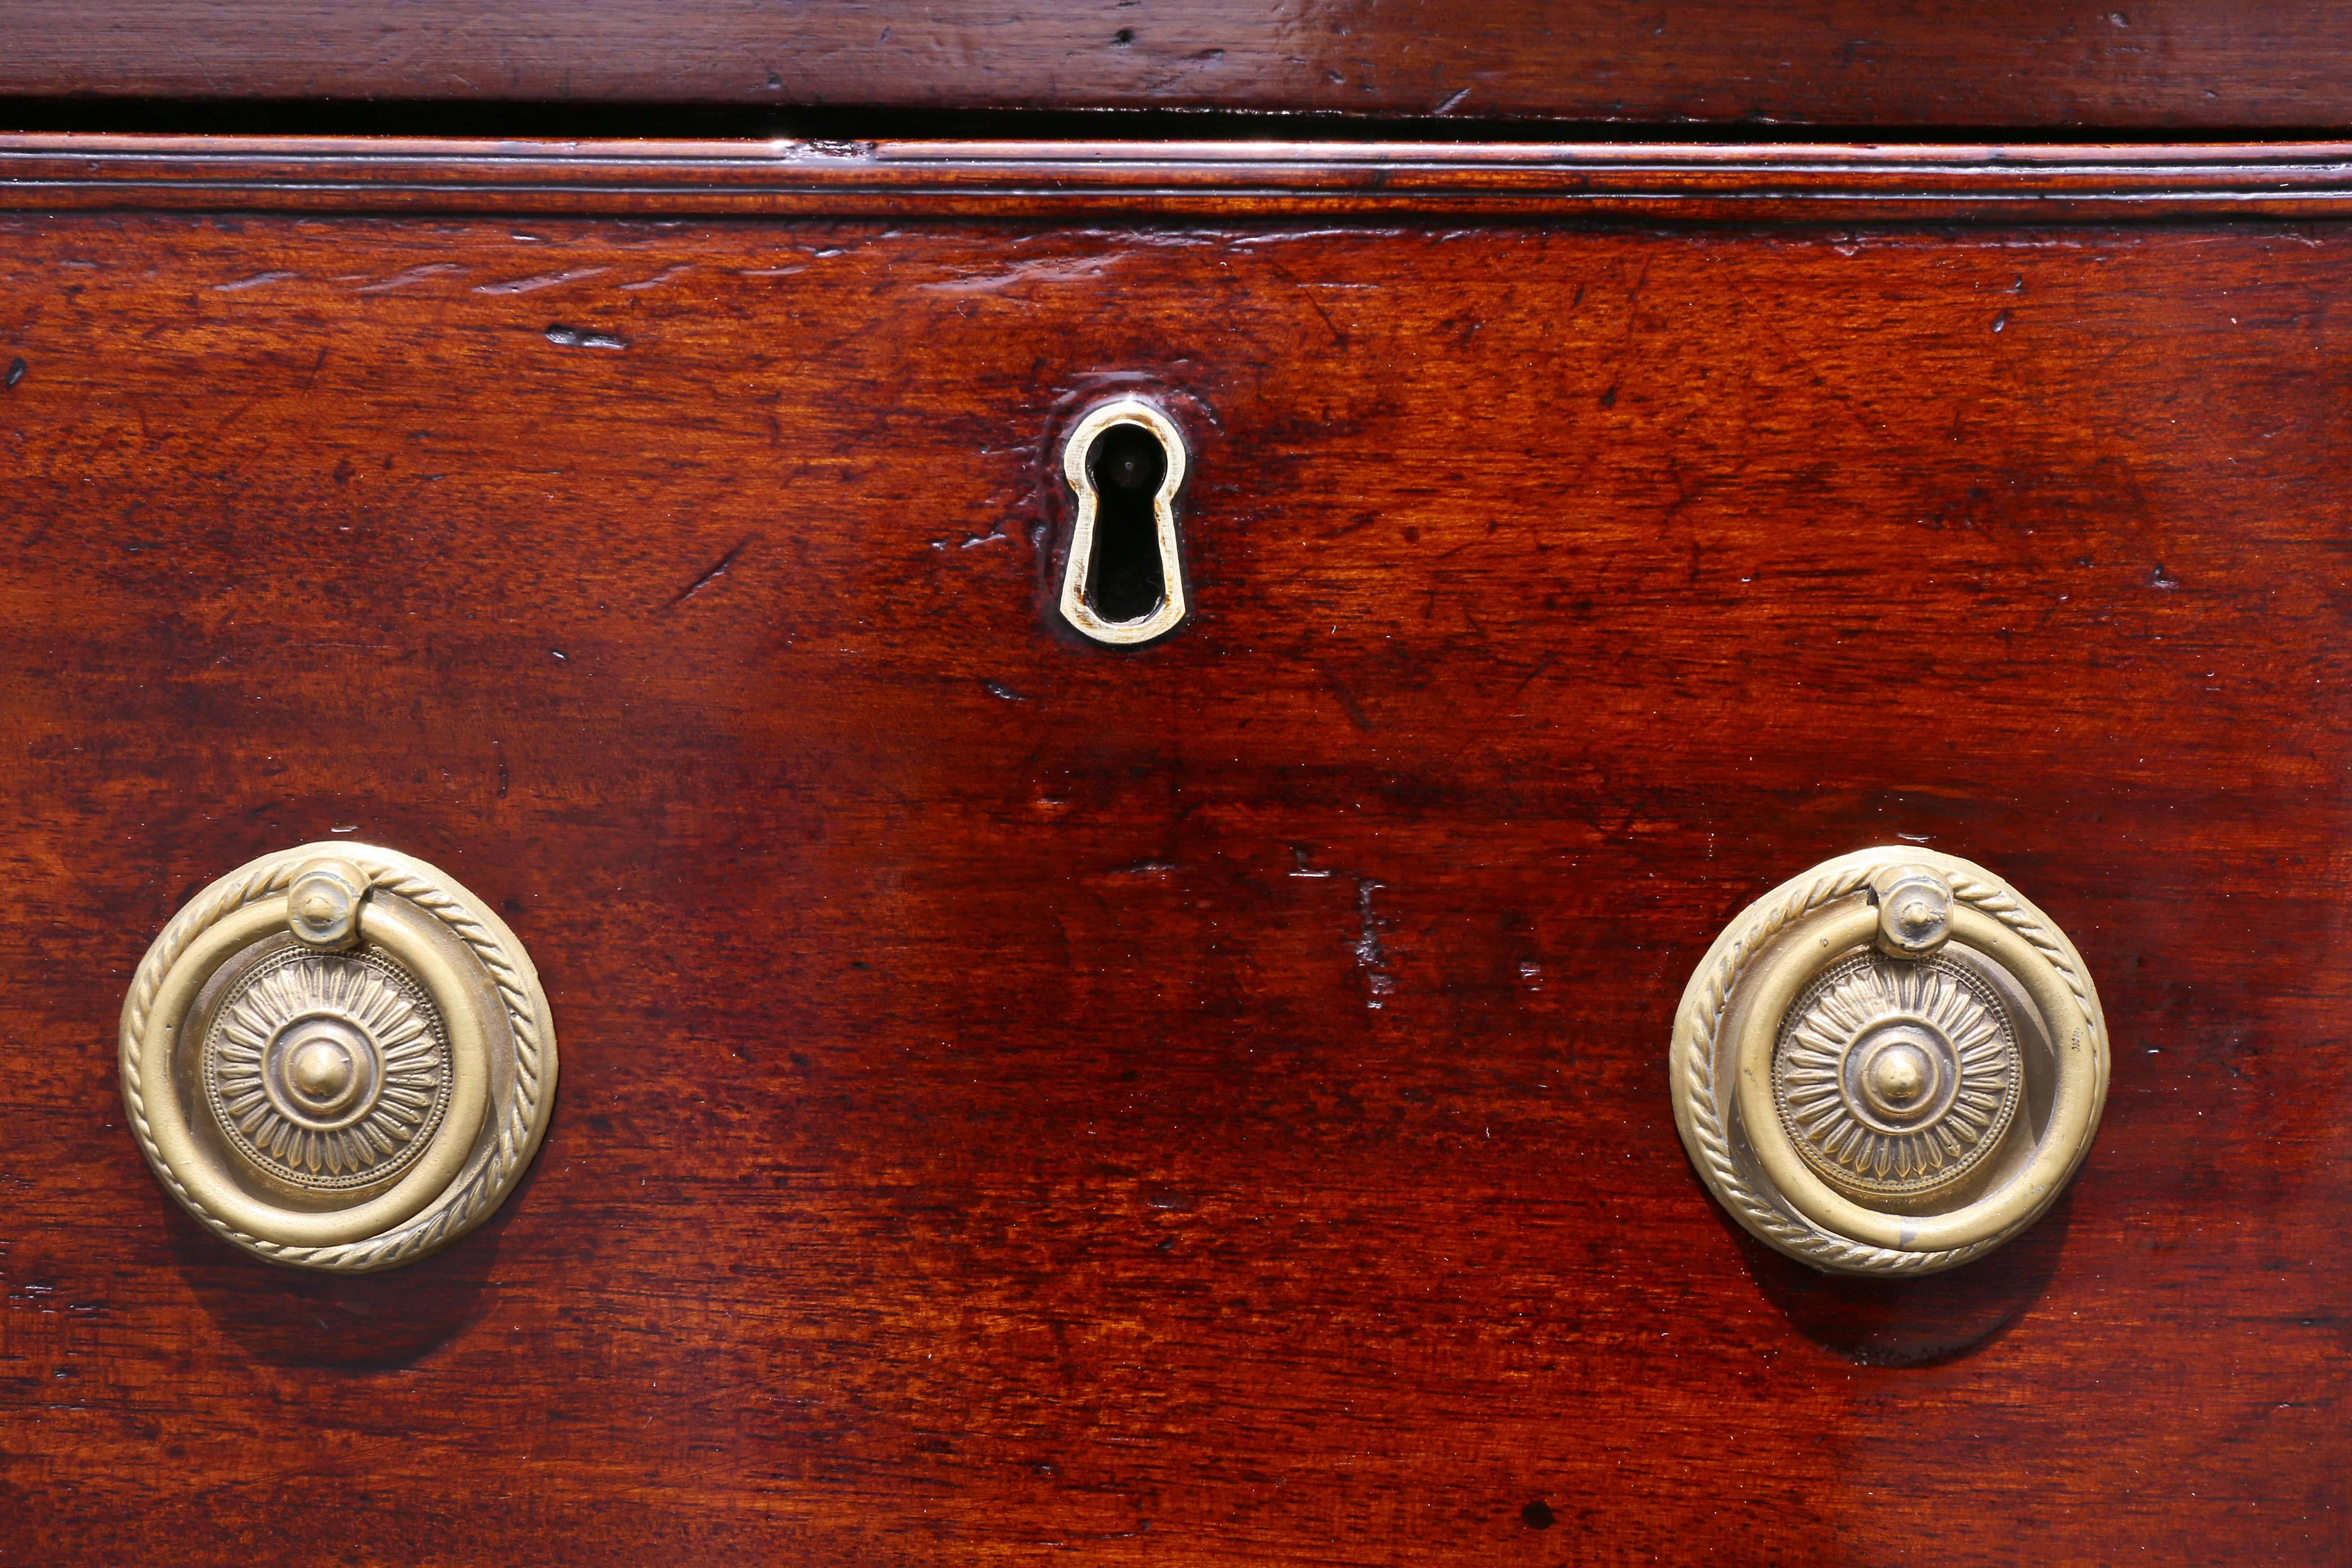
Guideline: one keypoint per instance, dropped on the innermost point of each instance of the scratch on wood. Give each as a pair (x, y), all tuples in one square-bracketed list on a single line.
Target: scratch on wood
[(259, 280), (1372, 954), (544, 280), (564, 337), (1380, 980), (1044, 269), (413, 274), (718, 571), (657, 279)]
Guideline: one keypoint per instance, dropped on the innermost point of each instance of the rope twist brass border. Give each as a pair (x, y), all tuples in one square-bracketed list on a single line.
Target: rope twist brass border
[(1705, 1019), (455, 1209)]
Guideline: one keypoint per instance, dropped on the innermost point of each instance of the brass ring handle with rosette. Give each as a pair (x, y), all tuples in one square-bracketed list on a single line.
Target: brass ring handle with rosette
[(337, 1058), (1889, 1065)]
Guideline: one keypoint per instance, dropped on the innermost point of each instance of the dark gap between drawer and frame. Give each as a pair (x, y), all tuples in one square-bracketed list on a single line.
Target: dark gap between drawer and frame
[(570, 120)]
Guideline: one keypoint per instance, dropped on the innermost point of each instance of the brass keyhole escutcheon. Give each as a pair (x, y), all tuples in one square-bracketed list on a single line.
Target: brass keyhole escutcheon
[(1889, 1065), (1123, 582), (337, 1058)]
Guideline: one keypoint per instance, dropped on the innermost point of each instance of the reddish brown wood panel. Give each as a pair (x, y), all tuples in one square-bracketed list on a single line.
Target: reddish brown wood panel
[(2184, 64), (1206, 1105)]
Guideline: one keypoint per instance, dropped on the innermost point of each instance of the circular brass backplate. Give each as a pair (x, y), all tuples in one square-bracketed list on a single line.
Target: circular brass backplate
[(1896, 1079), (337, 1058), (1891, 1064), (326, 1072)]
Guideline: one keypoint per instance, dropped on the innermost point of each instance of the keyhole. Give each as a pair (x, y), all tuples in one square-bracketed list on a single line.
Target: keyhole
[(1123, 579), (1127, 463)]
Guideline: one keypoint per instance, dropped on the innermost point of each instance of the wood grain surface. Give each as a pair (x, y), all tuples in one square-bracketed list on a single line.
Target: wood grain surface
[(1027, 1103), (2154, 64)]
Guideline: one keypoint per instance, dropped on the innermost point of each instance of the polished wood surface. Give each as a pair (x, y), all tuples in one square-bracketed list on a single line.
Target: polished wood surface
[(2183, 65), (1024, 1101)]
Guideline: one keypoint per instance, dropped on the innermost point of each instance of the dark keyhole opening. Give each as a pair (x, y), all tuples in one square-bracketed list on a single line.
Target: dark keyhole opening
[(1127, 466)]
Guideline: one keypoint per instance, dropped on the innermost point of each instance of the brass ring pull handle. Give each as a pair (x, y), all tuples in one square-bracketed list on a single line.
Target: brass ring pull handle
[(337, 1058), (1891, 1064)]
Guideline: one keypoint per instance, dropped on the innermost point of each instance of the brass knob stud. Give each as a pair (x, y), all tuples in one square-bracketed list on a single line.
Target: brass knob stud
[(1891, 1064), (337, 1058)]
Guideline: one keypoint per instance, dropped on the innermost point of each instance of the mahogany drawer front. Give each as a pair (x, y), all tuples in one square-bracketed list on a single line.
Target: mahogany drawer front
[(1201, 1104)]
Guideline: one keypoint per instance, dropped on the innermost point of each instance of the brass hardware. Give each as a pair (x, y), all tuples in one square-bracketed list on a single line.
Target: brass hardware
[(1081, 605), (1891, 1064), (337, 1058)]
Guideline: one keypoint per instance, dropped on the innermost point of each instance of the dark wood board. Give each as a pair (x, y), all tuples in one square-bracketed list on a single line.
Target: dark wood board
[(1025, 1102), (2182, 65)]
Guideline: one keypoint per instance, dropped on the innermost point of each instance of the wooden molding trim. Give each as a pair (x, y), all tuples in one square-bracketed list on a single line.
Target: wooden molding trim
[(1226, 180)]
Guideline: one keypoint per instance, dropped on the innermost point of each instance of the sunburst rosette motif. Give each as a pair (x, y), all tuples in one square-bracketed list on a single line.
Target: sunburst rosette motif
[(1896, 1079), (329, 1072)]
